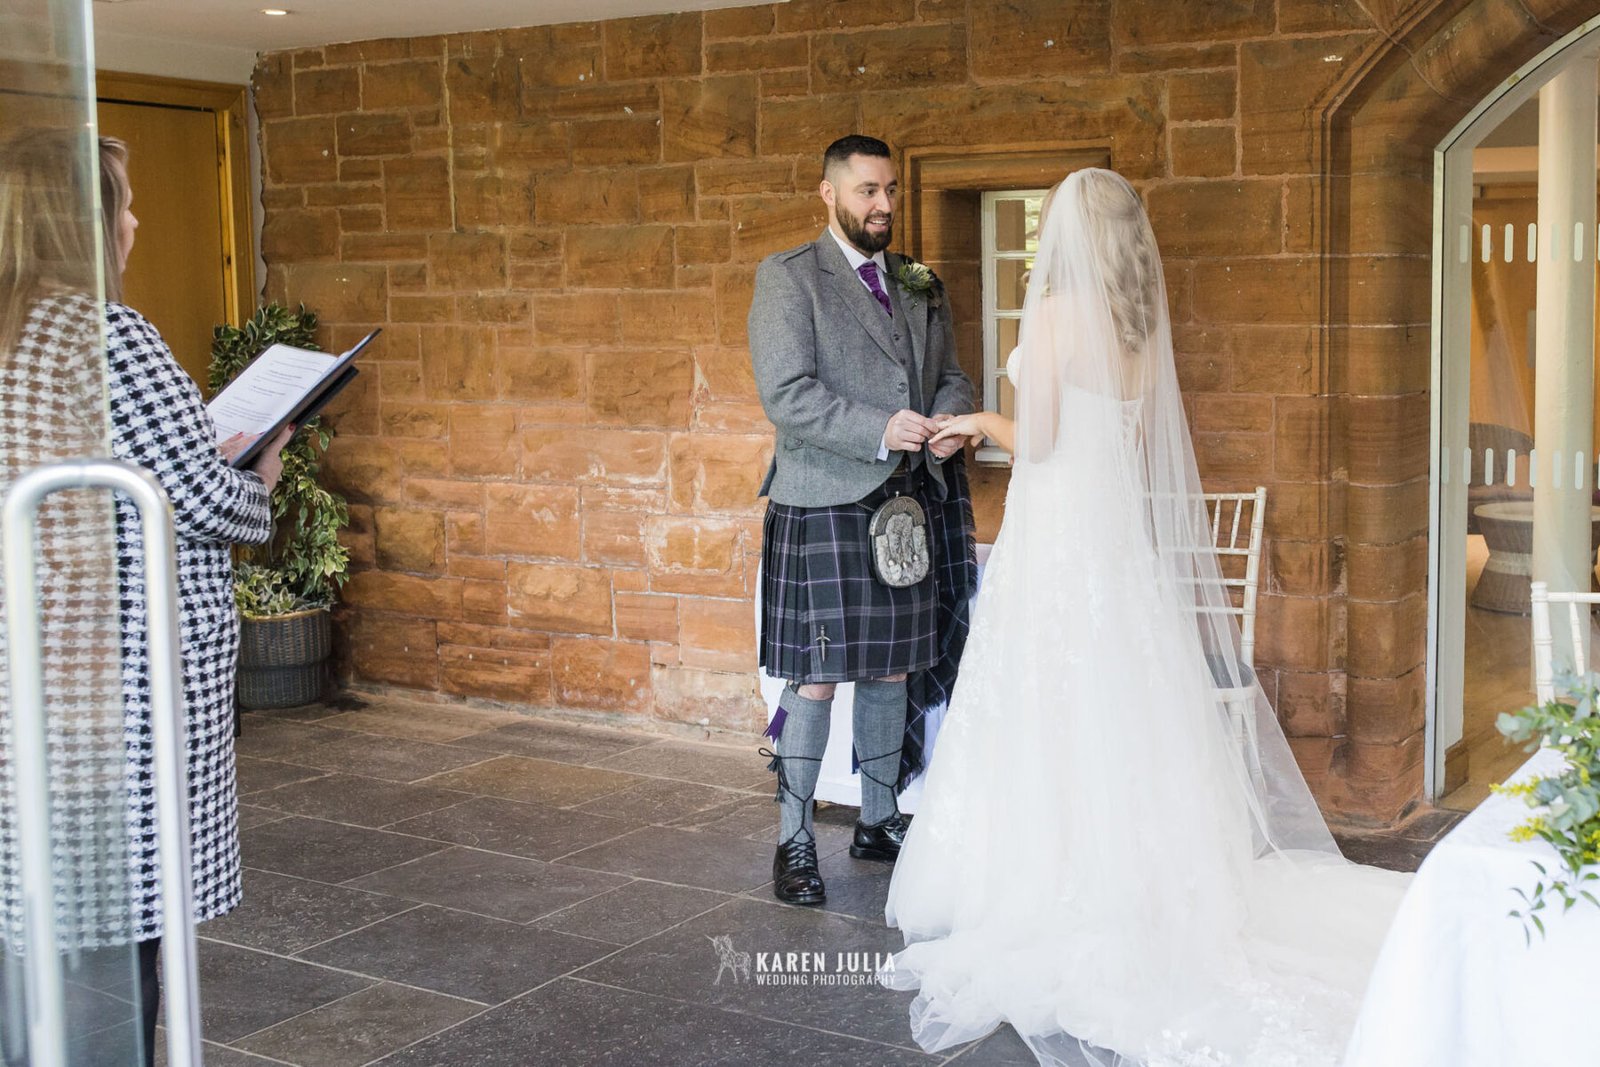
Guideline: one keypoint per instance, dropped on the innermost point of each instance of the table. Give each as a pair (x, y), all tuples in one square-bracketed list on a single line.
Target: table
[(836, 782), (1456, 984), (1507, 528)]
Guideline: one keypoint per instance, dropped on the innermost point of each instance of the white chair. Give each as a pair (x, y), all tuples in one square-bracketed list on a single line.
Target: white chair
[(1229, 515), (1578, 605)]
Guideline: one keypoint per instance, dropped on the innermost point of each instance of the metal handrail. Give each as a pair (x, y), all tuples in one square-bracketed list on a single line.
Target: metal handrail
[(46, 1019)]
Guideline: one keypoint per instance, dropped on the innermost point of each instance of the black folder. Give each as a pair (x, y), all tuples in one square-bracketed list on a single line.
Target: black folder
[(329, 386)]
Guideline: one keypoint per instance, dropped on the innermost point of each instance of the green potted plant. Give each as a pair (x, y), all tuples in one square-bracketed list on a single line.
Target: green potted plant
[(286, 588)]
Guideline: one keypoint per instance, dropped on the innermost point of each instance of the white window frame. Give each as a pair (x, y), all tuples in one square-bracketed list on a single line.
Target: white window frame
[(993, 369)]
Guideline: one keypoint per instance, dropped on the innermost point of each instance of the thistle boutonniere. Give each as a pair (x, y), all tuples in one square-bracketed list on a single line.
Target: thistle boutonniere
[(919, 283)]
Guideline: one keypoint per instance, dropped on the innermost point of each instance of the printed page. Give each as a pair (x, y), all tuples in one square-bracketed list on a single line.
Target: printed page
[(267, 390)]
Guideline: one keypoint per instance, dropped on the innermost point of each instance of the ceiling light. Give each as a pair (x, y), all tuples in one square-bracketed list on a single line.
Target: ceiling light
[(273, 11)]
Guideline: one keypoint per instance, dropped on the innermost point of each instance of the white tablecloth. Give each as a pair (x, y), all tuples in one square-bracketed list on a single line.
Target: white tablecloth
[(1456, 985), (837, 783)]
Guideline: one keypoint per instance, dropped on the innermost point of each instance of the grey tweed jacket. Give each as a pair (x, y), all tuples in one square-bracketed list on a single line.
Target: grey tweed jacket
[(832, 369)]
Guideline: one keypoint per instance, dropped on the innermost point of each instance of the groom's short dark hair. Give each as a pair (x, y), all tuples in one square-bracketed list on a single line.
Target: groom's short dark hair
[(855, 144)]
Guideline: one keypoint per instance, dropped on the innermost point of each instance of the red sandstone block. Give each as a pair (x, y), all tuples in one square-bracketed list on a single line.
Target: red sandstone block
[(559, 598), (602, 674)]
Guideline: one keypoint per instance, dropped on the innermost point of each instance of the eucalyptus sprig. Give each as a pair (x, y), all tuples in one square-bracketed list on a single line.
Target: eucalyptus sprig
[(303, 565), (1566, 805)]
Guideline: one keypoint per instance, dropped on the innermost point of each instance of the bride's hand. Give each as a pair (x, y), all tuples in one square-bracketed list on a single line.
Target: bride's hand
[(961, 426)]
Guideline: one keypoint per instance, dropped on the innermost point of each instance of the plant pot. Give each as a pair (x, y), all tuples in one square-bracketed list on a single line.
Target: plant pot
[(282, 659)]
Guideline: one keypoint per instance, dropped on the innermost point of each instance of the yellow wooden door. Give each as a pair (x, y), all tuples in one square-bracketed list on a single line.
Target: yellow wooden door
[(179, 271)]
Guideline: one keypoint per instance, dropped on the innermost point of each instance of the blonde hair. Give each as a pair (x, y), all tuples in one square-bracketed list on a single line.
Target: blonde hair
[(49, 239), (1125, 245)]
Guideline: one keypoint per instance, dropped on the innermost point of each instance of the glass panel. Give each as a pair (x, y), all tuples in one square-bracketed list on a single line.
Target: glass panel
[(1008, 398), (53, 408), (1016, 224), (1520, 483), (1011, 283), (1008, 331)]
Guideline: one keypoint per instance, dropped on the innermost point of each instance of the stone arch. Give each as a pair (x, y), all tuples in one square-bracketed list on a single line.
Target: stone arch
[(1379, 126)]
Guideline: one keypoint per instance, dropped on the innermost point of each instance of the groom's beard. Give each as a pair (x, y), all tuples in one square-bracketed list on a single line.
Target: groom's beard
[(856, 232)]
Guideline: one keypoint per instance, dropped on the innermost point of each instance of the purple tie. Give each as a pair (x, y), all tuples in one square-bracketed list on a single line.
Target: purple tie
[(869, 274)]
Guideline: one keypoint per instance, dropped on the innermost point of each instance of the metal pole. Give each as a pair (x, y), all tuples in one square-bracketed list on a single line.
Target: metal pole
[(178, 949)]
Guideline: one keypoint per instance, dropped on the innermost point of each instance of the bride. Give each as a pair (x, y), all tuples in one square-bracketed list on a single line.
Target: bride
[(1101, 857)]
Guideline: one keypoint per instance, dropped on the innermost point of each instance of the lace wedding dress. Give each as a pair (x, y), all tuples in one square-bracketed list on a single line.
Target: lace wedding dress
[(1097, 859)]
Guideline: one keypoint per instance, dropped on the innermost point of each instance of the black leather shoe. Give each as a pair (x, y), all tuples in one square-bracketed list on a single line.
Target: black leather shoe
[(881, 841), (795, 878)]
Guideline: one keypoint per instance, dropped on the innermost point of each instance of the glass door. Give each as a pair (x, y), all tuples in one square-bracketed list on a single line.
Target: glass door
[(1515, 470), (73, 992)]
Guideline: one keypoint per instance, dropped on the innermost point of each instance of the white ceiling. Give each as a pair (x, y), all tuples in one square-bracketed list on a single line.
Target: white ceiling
[(239, 24)]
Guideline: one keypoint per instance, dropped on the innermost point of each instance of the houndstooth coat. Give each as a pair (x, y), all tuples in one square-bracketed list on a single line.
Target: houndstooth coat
[(158, 422)]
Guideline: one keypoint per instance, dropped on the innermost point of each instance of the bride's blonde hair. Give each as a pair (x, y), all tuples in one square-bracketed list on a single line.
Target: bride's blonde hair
[(1125, 245)]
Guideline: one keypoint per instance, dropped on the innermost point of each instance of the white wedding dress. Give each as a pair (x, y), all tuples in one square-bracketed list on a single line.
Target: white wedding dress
[(1096, 859)]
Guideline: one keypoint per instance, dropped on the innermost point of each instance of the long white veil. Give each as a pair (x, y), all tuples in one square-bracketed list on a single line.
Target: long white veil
[(1096, 319), (1104, 857)]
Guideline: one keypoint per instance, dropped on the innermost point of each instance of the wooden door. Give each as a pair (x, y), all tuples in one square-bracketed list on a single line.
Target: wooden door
[(190, 267)]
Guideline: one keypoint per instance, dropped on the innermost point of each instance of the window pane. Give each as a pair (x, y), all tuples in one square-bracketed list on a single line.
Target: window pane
[(1008, 399), (1011, 283), (1007, 340), (1016, 224), (1011, 233)]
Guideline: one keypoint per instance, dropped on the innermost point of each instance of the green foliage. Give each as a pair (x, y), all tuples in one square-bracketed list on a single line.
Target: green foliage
[(232, 347), (1567, 805), (262, 592), (304, 564)]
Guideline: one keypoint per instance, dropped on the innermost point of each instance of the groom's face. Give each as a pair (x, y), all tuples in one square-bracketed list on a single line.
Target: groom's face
[(861, 192)]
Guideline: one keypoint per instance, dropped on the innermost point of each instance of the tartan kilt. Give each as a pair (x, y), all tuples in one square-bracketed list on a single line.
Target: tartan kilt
[(824, 617)]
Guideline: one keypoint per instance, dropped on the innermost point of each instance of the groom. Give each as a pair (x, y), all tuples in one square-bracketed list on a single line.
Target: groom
[(855, 360)]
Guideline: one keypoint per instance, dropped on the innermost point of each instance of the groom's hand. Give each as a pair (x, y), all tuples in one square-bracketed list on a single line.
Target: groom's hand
[(947, 446), (908, 431)]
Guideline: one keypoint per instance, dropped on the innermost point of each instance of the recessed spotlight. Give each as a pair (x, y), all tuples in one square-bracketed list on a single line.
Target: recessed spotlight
[(273, 11)]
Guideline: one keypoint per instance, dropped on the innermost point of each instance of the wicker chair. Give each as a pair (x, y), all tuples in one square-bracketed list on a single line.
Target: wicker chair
[(1487, 437)]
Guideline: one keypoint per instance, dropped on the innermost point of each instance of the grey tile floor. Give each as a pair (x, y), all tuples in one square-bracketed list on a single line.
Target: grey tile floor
[(432, 885)]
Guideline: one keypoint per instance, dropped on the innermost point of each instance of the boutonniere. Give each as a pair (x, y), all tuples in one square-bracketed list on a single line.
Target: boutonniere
[(919, 283)]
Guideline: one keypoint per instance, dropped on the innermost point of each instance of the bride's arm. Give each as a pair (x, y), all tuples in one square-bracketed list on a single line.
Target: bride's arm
[(980, 425)]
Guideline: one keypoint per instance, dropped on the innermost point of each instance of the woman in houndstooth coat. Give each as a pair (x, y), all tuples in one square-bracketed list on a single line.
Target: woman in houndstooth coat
[(159, 423)]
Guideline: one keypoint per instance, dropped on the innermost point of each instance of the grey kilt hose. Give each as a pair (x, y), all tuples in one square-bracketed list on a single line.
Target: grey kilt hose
[(824, 617)]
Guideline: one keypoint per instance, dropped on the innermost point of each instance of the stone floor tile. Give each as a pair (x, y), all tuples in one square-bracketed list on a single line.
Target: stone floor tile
[(326, 851), (360, 801), (560, 742), (709, 861), (684, 963), (720, 765), (360, 1028), (535, 830), (392, 758), (575, 1023), (533, 781), (284, 915), (461, 955), (256, 775), (489, 883), (637, 910), (243, 991)]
